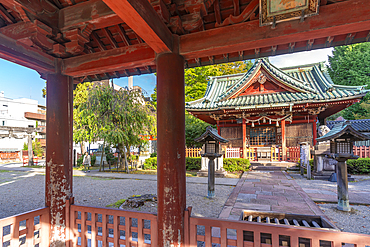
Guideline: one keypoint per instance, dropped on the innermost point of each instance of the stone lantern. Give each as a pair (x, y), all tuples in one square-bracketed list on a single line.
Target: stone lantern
[(341, 138), (211, 140)]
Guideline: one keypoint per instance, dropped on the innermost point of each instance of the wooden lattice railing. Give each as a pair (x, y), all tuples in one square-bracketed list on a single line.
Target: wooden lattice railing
[(193, 152), (91, 226), (293, 154), (208, 232), (27, 229), (233, 153), (362, 151)]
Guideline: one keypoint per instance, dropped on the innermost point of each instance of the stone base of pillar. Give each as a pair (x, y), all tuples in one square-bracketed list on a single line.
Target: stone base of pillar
[(218, 174), (211, 194), (343, 205)]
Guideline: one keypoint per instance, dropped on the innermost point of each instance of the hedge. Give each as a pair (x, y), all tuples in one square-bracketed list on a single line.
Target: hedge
[(359, 166), (230, 165)]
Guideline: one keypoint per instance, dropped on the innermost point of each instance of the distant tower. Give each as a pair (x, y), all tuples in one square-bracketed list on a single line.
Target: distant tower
[(130, 82)]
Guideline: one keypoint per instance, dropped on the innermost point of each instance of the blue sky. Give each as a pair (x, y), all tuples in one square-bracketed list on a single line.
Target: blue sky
[(19, 82)]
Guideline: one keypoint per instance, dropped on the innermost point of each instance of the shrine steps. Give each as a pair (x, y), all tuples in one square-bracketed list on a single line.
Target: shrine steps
[(271, 166)]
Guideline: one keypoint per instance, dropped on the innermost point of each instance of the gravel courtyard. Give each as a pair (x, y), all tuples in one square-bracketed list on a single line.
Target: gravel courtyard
[(21, 192)]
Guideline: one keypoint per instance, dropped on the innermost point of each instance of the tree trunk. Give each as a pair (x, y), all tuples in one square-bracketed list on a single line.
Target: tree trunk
[(127, 170), (82, 145), (30, 151), (102, 156)]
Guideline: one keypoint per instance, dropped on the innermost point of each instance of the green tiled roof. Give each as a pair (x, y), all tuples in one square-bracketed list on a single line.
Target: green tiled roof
[(311, 83), (340, 129)]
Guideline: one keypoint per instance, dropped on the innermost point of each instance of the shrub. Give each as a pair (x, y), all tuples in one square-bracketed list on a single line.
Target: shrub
[(233, 165), (80, 160), (230, 165), (150, 163), (359, 166), (193, 163), (153, 155)]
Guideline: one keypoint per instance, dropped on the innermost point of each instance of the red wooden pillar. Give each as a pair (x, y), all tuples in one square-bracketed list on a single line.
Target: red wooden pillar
[(58, 180), (314, 131), (283, 139), (244, 138), (218, 127), (171, 183)]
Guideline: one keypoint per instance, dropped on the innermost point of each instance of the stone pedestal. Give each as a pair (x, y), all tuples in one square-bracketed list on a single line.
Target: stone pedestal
[(323, 165), (305, 158), (218, 167)]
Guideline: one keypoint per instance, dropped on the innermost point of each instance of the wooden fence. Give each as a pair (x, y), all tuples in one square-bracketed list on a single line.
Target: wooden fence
[(193, 152), (9, 155), (92, 226), (27, 229), (253, 234), (233, 153), (362, 151), (293, 154)]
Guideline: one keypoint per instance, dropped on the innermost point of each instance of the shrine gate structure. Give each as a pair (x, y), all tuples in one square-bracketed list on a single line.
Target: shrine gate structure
[(73, 41), (269, 110)]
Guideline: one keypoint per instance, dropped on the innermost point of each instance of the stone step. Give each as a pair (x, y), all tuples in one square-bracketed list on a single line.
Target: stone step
[(268, 168), (278, 164)]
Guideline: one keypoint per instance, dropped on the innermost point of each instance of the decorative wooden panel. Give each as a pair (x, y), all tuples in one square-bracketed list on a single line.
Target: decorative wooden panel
[(297, 133), (234, 135)]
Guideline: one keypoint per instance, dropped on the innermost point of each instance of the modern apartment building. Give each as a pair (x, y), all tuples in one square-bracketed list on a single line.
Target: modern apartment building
[(21, 112)]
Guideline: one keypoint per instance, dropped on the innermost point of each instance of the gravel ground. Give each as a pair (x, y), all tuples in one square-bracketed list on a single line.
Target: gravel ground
[(21, 192), (358, 220)]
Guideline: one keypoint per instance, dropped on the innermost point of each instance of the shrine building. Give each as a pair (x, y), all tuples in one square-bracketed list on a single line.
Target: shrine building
[(269, 110)]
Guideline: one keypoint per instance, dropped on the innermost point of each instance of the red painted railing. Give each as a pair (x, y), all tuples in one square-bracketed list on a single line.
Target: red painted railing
[(243, 233), (92, 226), (293, 154), (104, 227), (27, 229), (362, 151)]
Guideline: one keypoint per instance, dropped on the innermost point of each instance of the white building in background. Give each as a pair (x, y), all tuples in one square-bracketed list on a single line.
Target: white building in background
[(21, 112)]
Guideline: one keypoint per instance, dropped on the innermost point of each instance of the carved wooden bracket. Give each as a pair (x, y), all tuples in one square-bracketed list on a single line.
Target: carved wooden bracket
[(34, 34), (316, 111), (77, 37)]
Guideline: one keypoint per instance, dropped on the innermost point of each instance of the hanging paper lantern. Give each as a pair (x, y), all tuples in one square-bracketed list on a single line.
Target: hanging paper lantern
[(277, 123), (252, 124), (264, 120), (269, 121)]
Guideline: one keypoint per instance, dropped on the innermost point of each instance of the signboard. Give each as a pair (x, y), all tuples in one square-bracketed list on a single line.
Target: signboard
[(275, 11)]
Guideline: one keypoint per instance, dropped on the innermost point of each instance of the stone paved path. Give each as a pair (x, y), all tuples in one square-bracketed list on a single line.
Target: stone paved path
[(325, 191), (268, 191)]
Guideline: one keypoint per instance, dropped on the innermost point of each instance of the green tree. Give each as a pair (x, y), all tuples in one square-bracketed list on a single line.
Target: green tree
[(83, 120), (350, 65), (36, 148), (117, 117)]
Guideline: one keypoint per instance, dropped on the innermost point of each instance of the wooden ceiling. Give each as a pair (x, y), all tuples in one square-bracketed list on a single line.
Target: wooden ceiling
[(102, 39)]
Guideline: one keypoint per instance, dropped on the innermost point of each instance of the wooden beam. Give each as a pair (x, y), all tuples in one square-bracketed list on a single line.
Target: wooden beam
[(39, 9), (144, 20), (249, 35), (29, 57), (109, 61), (94, 12)]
